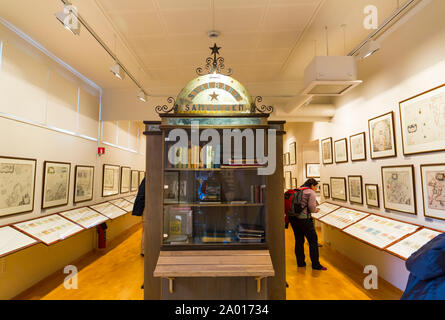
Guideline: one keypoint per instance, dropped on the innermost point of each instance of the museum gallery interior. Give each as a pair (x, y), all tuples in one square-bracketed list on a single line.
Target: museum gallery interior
[(146, 147)]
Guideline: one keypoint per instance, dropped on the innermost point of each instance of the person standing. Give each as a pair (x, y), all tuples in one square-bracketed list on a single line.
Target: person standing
[(138, 210), (303, 225)]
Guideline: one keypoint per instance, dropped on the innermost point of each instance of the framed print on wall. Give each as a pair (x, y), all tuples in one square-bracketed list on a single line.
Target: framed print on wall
[(312, 170), (56, 184), (341, 151), (141, 176), (355, 189), (372, 195), (399, 192), (326, 151), (293, 153), (294, 183), (382, 142), (357, 145), (288, 180), (287, 159), (423, 123), (326, 192), (83, 183), (134, 180), (110, 180), (338, 189), (125, 179), (17, 185), (433, 190)]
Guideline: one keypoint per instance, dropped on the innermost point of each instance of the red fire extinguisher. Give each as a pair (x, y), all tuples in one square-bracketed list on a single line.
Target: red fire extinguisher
[(102, 235)]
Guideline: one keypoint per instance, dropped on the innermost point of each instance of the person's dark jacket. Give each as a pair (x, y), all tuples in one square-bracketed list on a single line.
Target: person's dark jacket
[(139, 203), (427, 267)]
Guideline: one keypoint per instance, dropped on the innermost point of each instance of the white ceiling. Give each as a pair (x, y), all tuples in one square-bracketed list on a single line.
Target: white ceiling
[(268, 43)]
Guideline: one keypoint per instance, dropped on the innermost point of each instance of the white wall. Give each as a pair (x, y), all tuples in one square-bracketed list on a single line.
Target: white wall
[(411, 61)]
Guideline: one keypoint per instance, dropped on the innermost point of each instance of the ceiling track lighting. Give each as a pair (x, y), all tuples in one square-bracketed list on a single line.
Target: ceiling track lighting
[(72, 21), (142, 96), (368, 49), (117, 70)]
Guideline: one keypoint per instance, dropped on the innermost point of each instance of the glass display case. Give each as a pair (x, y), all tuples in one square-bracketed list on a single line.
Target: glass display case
[(208, 202)]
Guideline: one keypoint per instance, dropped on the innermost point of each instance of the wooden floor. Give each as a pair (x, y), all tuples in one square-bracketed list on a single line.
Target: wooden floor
[(118, 274)]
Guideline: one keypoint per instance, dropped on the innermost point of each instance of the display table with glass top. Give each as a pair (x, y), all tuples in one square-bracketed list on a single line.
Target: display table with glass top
[(214, 220)]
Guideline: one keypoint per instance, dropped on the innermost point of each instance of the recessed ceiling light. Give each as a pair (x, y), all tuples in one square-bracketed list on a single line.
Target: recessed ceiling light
[(69, 20), (117, 70)]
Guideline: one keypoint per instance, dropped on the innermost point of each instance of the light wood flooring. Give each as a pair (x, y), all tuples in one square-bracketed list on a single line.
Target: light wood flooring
[(117, 274)]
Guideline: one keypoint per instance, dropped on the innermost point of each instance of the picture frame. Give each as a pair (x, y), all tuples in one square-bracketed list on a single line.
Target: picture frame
[(382, 141), (433, 190), (288, 180), (134, 180), (338, 189), (372, 195), (415, 113), (292, 153), (125, 180), (341, 151), (399, 189), (326, 191), (141, 176), (287, 159), (318, 186), (83, 183), (56, 184), (110, 180), (17, 185), (357, 146), (355, 186), (312, 170), (294, 183), (326, 151)]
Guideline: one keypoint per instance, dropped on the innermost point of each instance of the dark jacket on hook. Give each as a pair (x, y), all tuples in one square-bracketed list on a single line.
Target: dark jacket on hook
[(427, 267), (139, 203)]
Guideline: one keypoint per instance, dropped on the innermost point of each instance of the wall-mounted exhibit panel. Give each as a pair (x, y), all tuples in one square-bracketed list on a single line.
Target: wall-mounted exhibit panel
[(49, 229), (406, 247), (85, 217), (379, 231), (343, 217), (12, 240), (131, 199), (123, 204), (325, 208), (109, 210)]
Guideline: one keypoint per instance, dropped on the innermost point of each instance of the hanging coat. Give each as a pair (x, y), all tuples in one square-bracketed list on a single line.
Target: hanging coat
[(427, 272)]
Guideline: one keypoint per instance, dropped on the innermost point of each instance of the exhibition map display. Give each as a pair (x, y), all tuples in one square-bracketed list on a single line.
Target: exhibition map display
[(86, 217), (109, 210), (379, 231), (343, 217), (49, 229), (325, 208), (406, 247), (12, 240), (123, 204)]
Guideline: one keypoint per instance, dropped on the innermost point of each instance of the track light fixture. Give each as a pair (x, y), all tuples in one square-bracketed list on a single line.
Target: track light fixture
[(117, 70), (368, 49), (68, 18), (142, 96)]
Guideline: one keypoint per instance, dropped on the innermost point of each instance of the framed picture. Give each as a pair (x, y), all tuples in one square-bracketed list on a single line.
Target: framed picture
[(355, 189), (372, 195), (326, 151), (326, 191), (422, 122), (294, 183), (134, 180), (399, 192), (17, 185), (293, 153), (56, 184), (83, 183), (110, 180), (357, 145), (287, 159), (312, 170), (433, 190), (382, 140), (338, 189), (341, 151), (288, 180), (141, 176), (125, 179), (318, 186)]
